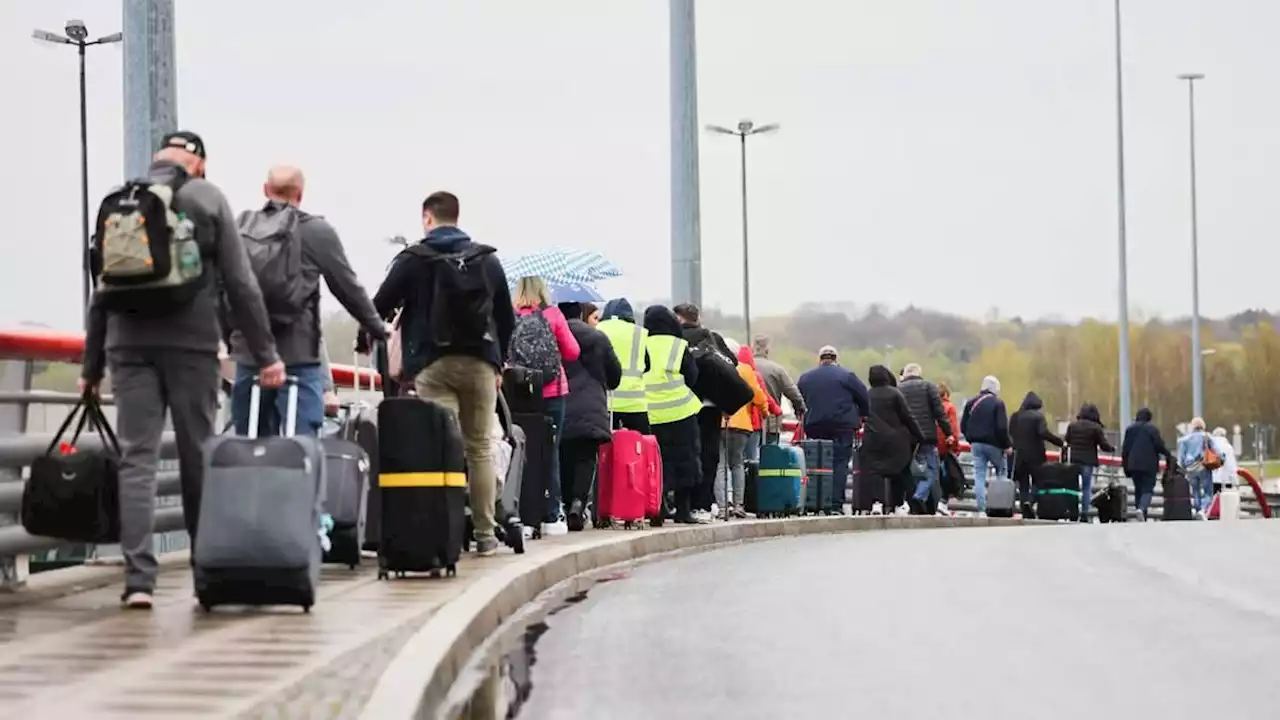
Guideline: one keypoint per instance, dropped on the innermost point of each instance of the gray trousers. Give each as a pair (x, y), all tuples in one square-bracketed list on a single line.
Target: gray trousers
[(733, 452), (146, 383)]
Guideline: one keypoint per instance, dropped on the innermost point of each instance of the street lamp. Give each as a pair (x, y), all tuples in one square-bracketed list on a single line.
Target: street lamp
[(746, 129), (1197, 356), (1124, 254), (78, 35)]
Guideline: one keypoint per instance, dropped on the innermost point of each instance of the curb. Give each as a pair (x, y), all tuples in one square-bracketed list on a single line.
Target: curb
[(69, 581), (419, 678)]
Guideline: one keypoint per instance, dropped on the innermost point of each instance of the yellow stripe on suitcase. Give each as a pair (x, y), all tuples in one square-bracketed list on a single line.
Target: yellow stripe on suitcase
[(422, 479)]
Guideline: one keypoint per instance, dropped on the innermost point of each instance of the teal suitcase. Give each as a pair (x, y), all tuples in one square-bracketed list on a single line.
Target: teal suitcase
[(780, 479), (819, 485)]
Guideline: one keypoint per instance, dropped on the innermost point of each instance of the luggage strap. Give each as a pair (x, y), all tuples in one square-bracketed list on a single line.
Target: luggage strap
[(1058, 491)]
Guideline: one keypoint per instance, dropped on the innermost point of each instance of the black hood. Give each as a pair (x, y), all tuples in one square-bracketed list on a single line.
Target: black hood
[(881, 376), (1089, 411), (659, 320), (1032, 402), (1144, 415), (619, 308)]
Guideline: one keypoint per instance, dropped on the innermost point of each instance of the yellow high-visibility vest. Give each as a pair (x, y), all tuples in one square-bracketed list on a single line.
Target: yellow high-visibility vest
[(670, 400), (628, 340)]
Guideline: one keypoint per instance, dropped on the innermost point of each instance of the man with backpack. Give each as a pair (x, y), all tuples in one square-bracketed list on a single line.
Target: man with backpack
[(162, 248), (290, 250), (456, 327)]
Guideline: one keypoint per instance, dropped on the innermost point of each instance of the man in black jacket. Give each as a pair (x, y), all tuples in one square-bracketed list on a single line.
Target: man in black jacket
[(1140, 456), (710, 418), (985, 424), (925, 403), (1029, 431)]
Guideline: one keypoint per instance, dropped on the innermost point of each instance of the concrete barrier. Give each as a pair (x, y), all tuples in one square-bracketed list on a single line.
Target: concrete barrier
[(418, 680)]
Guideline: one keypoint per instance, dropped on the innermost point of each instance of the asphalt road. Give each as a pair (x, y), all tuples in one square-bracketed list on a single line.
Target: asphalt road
[(1167, 620)]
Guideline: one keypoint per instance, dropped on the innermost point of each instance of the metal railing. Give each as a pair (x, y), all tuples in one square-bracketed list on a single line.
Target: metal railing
[(20, 350)]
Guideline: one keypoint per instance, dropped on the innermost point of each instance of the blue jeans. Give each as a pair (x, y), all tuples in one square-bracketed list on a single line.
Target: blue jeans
[(984, 455), (1201, 488), (926, 455), (275, 402), (1086, 490), (553, 408)]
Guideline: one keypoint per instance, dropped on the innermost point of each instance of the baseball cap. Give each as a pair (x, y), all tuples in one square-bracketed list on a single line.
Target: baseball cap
[(828, 351), (185, 140)]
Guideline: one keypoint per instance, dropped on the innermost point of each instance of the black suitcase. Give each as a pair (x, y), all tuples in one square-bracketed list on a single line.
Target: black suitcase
[(1177, 495), (1112, 503), (522, 389), (1057, 490), (819, 487), (750, 485), (423, 482), (346, 468), (539, 434)]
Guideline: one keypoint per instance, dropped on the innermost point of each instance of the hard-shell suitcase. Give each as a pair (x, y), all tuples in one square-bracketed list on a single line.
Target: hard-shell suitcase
[(819, 485), (510, 528), (422, 474), (1177, 495), (1057, 487), (522, 389), (1002, 496), (539, 433), (781, 473), (750, 486), (629, 478), (346, 496), (260, 507)]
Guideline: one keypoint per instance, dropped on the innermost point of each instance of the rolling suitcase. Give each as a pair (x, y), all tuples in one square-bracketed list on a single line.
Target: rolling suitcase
[(629, 478), (510, 529), (423, 481), (1177, 495), (539, 433), (819, 485), (1057, 488), (1002, 497), (346, 497), (259, 539), (1112, 503), (780, 475), (522, 389)]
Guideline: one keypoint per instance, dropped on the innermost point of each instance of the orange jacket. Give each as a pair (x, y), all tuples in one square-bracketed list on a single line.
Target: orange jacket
[(950, 409), (741, 420)]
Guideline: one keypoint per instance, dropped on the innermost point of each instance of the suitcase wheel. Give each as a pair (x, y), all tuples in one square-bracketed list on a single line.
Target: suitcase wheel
[(382, 574), (451, 570), (306, 609), (434, 574), (206, 607), (351, 566)]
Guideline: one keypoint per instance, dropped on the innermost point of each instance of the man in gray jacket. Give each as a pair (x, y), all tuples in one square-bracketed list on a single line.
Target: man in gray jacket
[(298, 336), (167, 359), (925, 403), (779, 384)]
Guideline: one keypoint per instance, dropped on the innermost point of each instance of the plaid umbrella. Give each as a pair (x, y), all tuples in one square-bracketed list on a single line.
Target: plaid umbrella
[(562, 266), (574, 292)]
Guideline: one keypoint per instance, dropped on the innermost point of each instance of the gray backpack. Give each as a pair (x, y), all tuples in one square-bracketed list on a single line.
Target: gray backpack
[(272, 239), (534, 345)]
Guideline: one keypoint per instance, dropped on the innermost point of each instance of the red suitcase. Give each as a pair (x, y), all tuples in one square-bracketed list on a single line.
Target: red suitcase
[(626, 477)]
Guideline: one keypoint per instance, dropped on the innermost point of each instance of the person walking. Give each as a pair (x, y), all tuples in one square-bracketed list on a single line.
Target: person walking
[(542, 328), (591, 376), (456, 323), (673, 410), (165, 359), (836, 401), (888, 440), (1085, 438), (1225, 476), (1191, 449), (711, 417), (1029, 431), (778, 382), (630, 344), (925, 402), (1140, 455), (731, 483), (946, 443), (293, 301), (985, 424)]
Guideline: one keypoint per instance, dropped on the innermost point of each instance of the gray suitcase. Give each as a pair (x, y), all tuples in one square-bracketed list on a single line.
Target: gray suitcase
[(510, 529), (258, 541), (346, 496), (1002, 497)]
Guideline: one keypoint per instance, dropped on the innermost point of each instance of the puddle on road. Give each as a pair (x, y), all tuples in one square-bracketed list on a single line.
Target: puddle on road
[(498, 682)]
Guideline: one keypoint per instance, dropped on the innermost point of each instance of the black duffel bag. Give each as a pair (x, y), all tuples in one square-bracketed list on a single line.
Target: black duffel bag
[(718, 380), (74, 493)]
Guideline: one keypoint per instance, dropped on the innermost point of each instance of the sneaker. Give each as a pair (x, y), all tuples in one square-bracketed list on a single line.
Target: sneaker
[(136, 600), (702, 516), (486, 547), (877, 508), (903, 509), (575, 520), (942, 509), (715, 510), (559, 527)]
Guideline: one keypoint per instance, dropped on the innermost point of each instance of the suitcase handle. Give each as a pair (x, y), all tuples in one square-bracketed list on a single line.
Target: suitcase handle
[(504, 419), (291, 412)]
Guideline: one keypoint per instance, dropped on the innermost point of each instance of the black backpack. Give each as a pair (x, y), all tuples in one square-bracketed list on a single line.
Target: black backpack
[(273, 242), (145, 256), (461, 298)]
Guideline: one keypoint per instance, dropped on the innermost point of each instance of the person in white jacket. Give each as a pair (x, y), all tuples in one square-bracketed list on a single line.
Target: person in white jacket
[(1224, 476)]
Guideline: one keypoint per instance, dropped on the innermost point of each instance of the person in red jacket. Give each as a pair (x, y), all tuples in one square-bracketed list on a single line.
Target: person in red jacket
[(946, 445), (757, 417)]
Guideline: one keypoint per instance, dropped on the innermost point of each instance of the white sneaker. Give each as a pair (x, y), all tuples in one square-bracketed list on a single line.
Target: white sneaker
[(558, 527), (715, 510), (903, 509), (942, 510), (702, 516), (877, 508)]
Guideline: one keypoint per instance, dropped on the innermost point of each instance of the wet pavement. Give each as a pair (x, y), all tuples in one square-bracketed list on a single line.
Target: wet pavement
[(1168, 620)]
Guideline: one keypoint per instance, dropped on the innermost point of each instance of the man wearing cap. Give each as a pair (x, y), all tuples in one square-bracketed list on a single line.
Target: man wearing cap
[(166, 360), (836, 401)]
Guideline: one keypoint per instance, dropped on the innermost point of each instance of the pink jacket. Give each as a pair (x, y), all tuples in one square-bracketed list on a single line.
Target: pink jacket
[(569, 349)]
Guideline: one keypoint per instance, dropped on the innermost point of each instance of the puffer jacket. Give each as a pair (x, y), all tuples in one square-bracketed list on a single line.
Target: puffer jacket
[(925, 403), (1030, 431), (742, 420), (1086, 436)]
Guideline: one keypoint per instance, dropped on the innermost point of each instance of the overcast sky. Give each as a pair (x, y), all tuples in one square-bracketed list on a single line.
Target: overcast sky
[(958, 155)]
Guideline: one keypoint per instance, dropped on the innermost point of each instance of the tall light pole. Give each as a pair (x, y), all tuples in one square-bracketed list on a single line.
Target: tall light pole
[(78, 36), (1125, 394), (1197, 355), (686, 239), (746, 129)]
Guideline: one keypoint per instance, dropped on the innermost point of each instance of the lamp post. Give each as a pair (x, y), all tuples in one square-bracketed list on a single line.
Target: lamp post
[(1124, 254), (78, 35), (1197, 355), (745, 129)]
